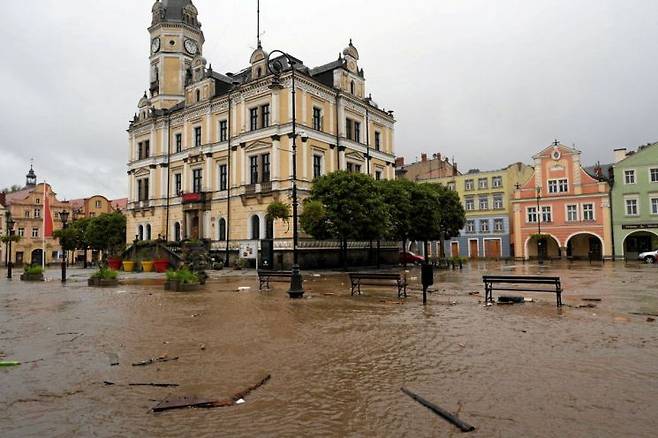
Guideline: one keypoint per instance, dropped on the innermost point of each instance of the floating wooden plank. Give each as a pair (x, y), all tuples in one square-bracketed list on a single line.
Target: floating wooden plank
[(452, 418), (154, 360)]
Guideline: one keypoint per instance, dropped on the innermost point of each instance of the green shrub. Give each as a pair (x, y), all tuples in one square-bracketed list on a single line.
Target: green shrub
[(183, 275), (241, 263), (105, 274), (33, 270)]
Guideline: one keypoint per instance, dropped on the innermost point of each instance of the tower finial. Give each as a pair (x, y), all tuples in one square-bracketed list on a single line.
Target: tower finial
[(258, 23)]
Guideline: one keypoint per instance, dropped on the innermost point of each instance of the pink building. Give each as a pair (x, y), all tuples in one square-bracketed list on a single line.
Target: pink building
[(562, 211)]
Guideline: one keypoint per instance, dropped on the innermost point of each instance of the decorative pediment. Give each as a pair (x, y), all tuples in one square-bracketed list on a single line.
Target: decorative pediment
[(355, 156), (144, 171), (257, 145)]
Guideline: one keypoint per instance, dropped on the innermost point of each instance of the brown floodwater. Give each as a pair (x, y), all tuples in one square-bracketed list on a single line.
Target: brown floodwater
[(337, 362)]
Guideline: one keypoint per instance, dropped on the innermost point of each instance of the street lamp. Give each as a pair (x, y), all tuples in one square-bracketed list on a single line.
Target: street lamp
[(276, 68), (64, 216), (540, 240), (10, 233)]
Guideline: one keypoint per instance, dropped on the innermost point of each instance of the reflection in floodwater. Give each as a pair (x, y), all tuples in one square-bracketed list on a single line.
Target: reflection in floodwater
[(337, 362)]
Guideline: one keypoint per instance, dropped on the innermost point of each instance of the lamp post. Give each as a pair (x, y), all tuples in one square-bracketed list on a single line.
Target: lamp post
[(540, 240), (10, 233), (64, 216), (275, 66)]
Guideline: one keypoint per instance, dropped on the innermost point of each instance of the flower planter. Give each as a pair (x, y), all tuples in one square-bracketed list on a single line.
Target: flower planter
[(147, 266), (128, 266), (114, 263), (32, 277), (102, 282), (161, 265), (177, 286)]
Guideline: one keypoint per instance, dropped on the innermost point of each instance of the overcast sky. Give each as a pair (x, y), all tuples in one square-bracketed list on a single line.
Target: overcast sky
[(488, 82)]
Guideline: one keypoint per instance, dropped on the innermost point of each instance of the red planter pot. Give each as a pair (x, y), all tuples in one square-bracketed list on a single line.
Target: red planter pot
[(161, 265), (114, 264)]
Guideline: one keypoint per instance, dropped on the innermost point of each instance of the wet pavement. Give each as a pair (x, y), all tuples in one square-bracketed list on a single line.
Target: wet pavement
[(337, 362)]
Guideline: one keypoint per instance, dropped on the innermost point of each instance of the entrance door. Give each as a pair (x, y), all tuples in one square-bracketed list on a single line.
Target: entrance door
[(473, 245), (454, 249), (492, 249), (194, 232), (595, 250), (37, 257)]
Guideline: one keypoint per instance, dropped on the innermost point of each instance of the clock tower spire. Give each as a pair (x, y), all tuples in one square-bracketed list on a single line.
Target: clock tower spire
[(176, 40)]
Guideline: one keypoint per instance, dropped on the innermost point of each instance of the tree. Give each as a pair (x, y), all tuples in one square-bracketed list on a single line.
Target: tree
[(107, 233), (453, 216), (314, 220), (397, 196), (425, 213), (12, 189), (353, 209)]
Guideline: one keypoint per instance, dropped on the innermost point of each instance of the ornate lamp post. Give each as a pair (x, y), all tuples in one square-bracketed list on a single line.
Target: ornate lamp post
[(10, 233), (540, 240), (276, 68), (64, 216)]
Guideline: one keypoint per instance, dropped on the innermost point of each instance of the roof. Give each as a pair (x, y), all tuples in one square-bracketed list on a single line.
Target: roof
[(18, 196), (174, 9), (606, 171), (119, 204)]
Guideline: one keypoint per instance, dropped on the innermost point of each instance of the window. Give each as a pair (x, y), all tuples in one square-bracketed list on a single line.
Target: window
[(497, 182), (470, 226), (588, 212), (253, 119), (223, 177), (179, 142), (253, 169), (148, 231), (143, 189), (484, 203), (35, 232), (140, 232), (37, 201), (265, 161), (483, 183), (654, 205), (572, 213), (197, 180), (451, 186), (499, 225), (563, 185), (378, 140), (498, 202), (629, 176), (265, 116), (631, 207), (348, 128), (653, 175), (317, 119), (469, 204), (484, 226), (558, 186), (552, 186), (378, 175), (532, 215), (353, 130), (197, 136), (357, 132), (198, 95), (177, 233), (222, 229), (98, 204), (468, 184), (317, 166), (546, 214), (353, 168), (255, 227), (223, 130), (147, 149), (27, 213), (143, 150), (352, 87), (178, 184), (21, 232)]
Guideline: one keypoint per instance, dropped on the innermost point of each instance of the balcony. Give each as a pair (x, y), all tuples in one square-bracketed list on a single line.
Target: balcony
[(196, 201)]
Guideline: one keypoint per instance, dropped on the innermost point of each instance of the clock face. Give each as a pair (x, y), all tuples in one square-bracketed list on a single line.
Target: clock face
[(191, 47), (556, 154), (351, 66), (155, 45)]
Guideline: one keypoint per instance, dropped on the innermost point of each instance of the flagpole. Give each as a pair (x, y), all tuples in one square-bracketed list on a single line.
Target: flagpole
[(43, 229)]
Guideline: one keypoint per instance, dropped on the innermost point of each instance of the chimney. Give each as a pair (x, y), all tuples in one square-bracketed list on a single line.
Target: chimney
[(399, 162), (455, 172), (438, 156), (620, 154), (423, 157)]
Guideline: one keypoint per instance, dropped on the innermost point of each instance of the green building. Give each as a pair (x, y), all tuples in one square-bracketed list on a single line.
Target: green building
[(635, 201)]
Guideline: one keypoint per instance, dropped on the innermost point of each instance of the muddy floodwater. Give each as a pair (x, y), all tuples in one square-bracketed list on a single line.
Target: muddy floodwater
[(337, 362)]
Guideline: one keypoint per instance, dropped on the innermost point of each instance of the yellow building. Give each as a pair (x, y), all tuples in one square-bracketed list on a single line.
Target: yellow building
[(487, 198), (209, 151)]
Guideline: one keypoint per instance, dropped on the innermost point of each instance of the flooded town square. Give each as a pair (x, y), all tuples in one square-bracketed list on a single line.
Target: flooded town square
[(337, 362)]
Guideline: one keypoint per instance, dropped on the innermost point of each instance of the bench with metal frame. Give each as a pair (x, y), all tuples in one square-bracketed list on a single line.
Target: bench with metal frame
[(356, 279), (265, 277), (491, 283)]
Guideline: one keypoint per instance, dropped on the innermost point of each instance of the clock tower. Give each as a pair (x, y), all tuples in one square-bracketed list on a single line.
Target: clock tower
[(176, 40)]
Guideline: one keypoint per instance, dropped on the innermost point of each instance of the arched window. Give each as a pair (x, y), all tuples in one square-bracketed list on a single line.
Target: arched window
[(269, 228), (259, 72), (198, 95), (222, 229), (148, 231), (352, 87), (177, 231), (255, 227), (140, 232)]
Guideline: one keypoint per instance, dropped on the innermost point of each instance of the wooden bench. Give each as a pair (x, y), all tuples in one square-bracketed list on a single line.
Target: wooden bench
[(356, 279), (529, 284), (265, 277)]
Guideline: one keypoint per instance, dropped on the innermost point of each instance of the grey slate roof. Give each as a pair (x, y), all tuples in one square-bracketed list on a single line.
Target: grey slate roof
[(174, 9)]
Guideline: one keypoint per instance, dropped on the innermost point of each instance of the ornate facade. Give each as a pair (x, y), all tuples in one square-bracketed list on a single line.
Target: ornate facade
[(208, 152)]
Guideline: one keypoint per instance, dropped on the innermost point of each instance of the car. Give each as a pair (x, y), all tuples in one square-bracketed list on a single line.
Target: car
[(410, 257), (649, 257)]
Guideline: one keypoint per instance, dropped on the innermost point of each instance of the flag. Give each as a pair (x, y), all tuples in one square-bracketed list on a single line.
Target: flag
[(47, 215)]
